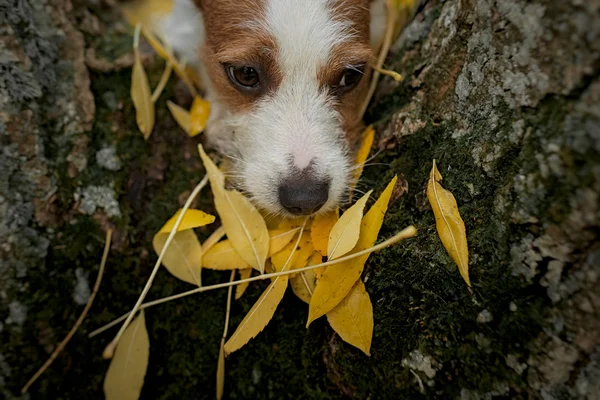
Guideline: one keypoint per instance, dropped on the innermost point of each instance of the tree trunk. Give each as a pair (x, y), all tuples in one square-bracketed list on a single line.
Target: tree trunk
[(504, 94)]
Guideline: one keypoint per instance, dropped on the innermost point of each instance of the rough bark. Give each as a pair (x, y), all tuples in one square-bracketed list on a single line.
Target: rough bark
[(504, 94)]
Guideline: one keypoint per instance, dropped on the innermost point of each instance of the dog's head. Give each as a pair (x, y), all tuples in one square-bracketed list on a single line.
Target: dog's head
[(286, 78)]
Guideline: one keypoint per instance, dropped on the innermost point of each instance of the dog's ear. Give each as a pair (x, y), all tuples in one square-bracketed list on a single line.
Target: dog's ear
[(377, 24)]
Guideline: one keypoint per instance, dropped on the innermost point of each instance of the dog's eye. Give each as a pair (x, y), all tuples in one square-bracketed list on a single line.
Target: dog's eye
[(246, 77), (349, 79)]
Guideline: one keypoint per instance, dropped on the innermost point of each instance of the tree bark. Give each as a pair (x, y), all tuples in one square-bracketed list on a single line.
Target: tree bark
[(504, 94)]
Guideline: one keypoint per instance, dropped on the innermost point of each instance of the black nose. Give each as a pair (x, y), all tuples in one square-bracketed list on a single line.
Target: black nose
[(303, 194)]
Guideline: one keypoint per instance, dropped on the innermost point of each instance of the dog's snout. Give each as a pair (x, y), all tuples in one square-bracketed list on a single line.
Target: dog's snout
[(303, 194)]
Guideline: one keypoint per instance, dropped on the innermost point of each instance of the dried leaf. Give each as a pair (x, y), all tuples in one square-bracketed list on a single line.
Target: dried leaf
[(222, 256), (449, 224), (245, 227), (293, 223), (337, 280), (259, 315), (125, 376), (280, 238), (142, 97), (146, 12), (241, 288), (183, 258), (345, 232), (180, 115), (403, 10), (366, 143), (352, 319), (199, 113), (300, 257), (221, 370), (304, 283), (320, 229)]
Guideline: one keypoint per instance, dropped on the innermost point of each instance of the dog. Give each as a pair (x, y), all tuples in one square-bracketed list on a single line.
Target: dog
[(286, 79)]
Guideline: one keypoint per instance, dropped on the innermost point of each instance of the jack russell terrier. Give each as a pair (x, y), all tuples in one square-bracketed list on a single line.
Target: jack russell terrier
[(286, 79)]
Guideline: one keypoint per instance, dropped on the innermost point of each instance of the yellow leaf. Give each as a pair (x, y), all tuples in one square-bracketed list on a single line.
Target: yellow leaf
[(241, 288), (142, 97), (300, 257), (222, 256), (366, 143), (245, 227), (280, 238), (180, 115), (199, 113), (337, 280), (304, 283), (191, 219), (146, 12), (352, 319), (125, 376), (183, 258), (259, 315), (345, 232), (221, 371), (449, 224), (293, 223), (320, 229)]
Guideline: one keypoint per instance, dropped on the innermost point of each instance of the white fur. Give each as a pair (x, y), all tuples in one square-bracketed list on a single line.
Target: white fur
[(297, 126), (183, 30)]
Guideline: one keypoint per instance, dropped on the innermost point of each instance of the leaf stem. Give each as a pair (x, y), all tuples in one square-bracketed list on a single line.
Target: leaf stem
[(163, 81), (392, 17), (109, 350), (406, 233), (67, 338)]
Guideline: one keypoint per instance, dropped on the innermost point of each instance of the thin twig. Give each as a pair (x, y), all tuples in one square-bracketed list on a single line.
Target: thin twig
[(221, 371), (228, 309), (392, 17), (110, 349), (163, 82), (404, 234), (87, 307)]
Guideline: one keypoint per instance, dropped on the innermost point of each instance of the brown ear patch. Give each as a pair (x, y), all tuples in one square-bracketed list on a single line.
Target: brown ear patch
[(234, 36)]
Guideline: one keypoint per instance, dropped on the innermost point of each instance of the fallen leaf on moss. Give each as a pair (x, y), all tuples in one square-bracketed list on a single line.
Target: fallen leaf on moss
[(241, 288), (364, 150), (221, 371), (141, 95), (146, 12), (337, 280), (125, 376), (320, 229), (300, 257), (280, 238), (449, 224), (243, 224), (259, 315), (352, 319), (303, 284), (183, 258), (222, 256), (199, 113), (345, 232), (180, 115)]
